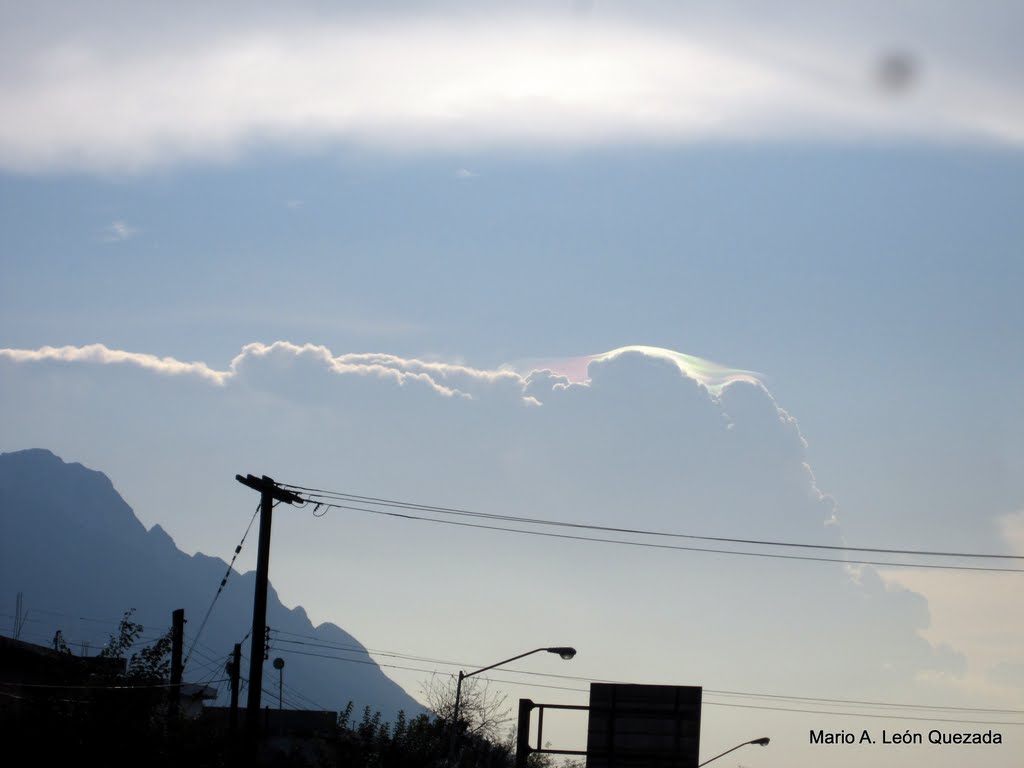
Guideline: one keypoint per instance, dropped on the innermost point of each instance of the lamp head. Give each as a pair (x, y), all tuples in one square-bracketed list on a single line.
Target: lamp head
[(564, 651), (763, 741)]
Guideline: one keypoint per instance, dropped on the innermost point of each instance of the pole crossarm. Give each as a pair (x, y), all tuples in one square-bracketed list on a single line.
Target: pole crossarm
[(267, 484)]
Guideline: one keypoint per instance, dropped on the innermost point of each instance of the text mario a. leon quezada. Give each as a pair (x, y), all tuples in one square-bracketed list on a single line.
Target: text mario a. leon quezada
[(933, 736)]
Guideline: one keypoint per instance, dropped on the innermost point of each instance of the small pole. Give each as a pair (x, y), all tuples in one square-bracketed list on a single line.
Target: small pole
[(177, 642), (279, 666), (523, 733), (453, 739), (234, 672)]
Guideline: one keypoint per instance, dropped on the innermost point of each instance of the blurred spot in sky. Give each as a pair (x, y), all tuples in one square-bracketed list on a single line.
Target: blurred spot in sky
[(897, 72)]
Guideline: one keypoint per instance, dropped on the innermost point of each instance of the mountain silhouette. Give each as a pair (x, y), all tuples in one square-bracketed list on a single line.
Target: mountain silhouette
[(81, 558)]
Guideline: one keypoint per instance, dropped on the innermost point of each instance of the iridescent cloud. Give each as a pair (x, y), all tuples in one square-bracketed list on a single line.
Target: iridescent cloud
[(712, 376)]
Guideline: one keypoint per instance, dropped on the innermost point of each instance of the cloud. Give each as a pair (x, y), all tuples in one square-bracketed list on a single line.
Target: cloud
[(281, 359), (1012, 529), (169, 91), (118, 231), (291, 368), (969, 611), (649, 439), (712, 376), (100, 354), (465, 174), (444, 378)]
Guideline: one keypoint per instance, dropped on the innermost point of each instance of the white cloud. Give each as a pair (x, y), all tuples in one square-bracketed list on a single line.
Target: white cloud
[(444, 378), (1012, 529), (86, 100), (99, 353), (970, 612), (640, 443), (267, 362)]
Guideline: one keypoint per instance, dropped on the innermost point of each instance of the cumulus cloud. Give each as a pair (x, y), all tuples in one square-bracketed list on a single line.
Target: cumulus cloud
[(647, 439), (80, 97), (443, 378), (969, 611)]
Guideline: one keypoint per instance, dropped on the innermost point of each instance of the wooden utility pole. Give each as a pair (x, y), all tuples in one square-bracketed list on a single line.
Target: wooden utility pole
[(269, 493), (177, 669)]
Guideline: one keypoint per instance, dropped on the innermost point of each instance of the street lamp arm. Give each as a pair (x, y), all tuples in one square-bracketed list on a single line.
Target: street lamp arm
[(763, 741), (500, 663), (564, 651)]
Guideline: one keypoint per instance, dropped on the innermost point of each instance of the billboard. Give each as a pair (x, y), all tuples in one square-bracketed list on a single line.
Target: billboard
[(643, 726)]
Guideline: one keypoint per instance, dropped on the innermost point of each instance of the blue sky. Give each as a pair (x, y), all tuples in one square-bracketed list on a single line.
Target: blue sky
[(495, 189)]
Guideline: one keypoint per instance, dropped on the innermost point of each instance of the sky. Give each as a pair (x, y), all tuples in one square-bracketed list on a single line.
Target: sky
[(740, 270)]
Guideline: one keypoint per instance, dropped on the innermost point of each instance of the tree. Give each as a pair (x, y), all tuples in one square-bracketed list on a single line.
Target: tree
[(139, 696), (541, 760), (483, 713), (150, 665), (108, 713), (370, 743), (60, 644)]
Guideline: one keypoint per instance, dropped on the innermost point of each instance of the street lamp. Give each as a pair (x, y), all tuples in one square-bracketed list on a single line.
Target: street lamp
[(763, 741), (564, 651), (279, 666)]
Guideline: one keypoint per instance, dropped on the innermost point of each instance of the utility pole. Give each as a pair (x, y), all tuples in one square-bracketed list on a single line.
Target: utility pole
[(523, 733), (177, 641), (177, 668), (269, 493)]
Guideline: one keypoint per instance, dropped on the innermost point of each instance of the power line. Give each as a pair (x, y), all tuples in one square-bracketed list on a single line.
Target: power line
[(709, 703), (743, 694), (651, 545), (355, 649), (865, 714), (286, 698), (216, 665), (67, 615), (291, 705), (294, 691), (90, 687), (47, 641), (315, 493), (220, 589)]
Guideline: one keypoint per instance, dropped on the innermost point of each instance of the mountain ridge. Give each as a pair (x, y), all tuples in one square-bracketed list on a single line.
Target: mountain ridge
[(70, 543)]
